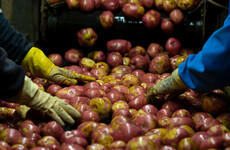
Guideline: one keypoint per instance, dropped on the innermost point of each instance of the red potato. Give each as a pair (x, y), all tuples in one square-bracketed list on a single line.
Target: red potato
[(82, 107), (28, 128), (119, 45), (77, 140), (122, 112), (129, 80), (217, 130), (89, 116), (206, 124), (138, 73), (138, 102), (167, 26), (163, 122), (68, 93), (120, 71), (56, 59), (157, 131), (86, 62), (122, 3), (97, 4), (226, 138), (174, 136), (44, 82), (66, 146), (96, 146), (87, 5), (159, 4), (126, 61), (133, 11), (199, 117), (86, 37), (167, 147), (75, 68), (99, 73), (34, 137), (127, 131), (178, 121), (160, 64), (172, 105), (97, 56), (117, 145), (133, 1), (198, 138), (106, 19), (114, 96), (118, 120), (214, 103), (106, 88), (28, 143), (49, 142), (114, 59), (10, 135), (213, 142), (176, 16), (169, 5), (4, 144), (148, 108), (185, 144), (101, 106), (102, 65), (139, 62), (72, 4), (79, 100), (52, 128), (148, 4), (186, 4), (72, 56), (93, 93), (104, 139), (148, 78), (172, 46), (141, 143), (146, 121), (173, 61), (164, 112), (70, 134), (182, 113), (137, 50), (224, 118), (90, 74), (87, 128), (154, 49), (134, 91), (53, 89), (118, 105), (9, 105), (120, 88), (18, 147), (151, 19), (91, 85), (111, 5)]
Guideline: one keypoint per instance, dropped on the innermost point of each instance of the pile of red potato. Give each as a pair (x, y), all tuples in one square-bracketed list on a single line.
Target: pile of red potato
[(115, 114)]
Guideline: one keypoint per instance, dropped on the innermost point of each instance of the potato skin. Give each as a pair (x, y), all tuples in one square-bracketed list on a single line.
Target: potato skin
[(132, 10), (87, 5), (151, 19), (118, 45), (107, 19)]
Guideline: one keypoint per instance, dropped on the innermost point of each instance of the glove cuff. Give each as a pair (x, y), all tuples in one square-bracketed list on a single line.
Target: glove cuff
[(177, 83), (37, 63)]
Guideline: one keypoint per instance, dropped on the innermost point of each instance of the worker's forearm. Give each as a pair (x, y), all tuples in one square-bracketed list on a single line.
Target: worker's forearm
[(13, 41)]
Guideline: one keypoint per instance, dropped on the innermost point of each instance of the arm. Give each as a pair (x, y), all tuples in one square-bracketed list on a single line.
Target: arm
[(207, 70)]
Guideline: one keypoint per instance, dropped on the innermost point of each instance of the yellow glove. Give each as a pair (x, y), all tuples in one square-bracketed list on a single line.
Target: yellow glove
[(168, 85), (39, 100), (40, 66)]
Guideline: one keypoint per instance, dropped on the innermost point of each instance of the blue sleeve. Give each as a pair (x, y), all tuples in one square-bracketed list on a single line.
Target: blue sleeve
[(11, 76), (14, 42), (210, 68)]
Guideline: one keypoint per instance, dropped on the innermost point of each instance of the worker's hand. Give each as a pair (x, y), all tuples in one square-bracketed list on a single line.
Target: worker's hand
[(39, 100), (40, 66), (168, 85)]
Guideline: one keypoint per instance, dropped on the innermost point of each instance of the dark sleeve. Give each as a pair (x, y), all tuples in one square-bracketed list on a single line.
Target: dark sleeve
[(14, 42), (11, 76)]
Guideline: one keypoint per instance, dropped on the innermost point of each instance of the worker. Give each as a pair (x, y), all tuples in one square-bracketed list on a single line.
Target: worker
[(18, 55), (207, 70)]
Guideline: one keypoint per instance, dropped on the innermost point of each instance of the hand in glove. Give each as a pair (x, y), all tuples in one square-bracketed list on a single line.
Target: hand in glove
[(168, 85), (39, 100), (39, 65)]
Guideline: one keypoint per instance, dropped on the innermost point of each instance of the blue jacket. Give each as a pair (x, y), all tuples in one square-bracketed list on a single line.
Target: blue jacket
[(13, 48), (210, 68)]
